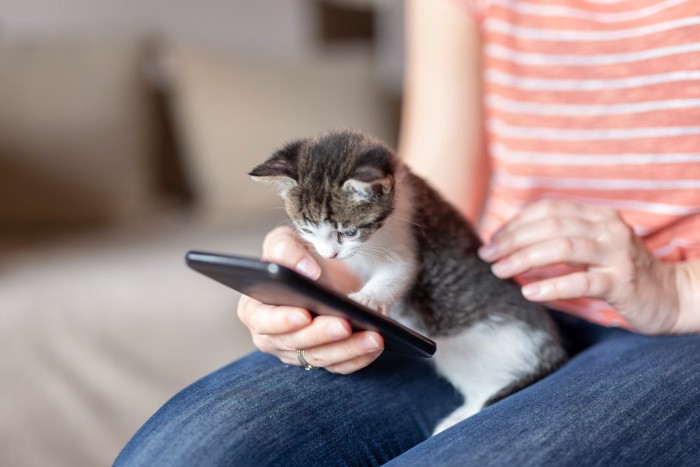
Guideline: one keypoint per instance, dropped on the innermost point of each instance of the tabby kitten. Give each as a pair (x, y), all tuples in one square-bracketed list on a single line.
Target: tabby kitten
[(353, 200)]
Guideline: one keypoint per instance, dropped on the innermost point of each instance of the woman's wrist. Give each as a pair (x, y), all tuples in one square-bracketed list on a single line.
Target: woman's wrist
[(687, 278)]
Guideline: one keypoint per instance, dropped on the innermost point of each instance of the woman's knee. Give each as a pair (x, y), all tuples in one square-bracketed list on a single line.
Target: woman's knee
[(221, 419)]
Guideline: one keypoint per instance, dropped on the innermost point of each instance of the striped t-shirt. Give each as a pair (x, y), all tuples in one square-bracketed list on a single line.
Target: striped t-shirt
[(596, 101)]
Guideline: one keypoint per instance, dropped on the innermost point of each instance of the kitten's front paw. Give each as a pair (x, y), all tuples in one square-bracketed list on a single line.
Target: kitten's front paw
[(371, 302)]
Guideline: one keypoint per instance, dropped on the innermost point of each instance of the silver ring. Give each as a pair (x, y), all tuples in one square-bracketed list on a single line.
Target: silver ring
[(307, 366)]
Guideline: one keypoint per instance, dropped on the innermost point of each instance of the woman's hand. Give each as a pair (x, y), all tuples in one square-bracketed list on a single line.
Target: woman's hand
[(617, 266), (327, 341)]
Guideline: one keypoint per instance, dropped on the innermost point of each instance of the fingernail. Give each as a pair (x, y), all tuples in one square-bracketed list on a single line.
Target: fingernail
[(531, 291), (488, 252), (297, 319), (336, 330), (309, 268), (370, 343), (502, 268)]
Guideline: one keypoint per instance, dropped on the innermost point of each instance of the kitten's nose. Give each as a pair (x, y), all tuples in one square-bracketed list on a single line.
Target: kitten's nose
[(327, 251)]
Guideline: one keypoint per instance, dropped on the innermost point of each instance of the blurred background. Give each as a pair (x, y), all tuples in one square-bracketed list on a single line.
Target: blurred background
[(126, 131)]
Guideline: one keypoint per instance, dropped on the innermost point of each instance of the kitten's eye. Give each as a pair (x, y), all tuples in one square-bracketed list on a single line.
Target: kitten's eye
[(349, 233), (306, 231)]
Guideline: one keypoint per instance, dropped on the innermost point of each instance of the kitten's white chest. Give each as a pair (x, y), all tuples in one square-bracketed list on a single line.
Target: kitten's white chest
[(386, 264), (363, 266)]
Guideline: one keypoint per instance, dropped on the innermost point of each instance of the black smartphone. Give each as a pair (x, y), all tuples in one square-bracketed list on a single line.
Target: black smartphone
[(274, 284)]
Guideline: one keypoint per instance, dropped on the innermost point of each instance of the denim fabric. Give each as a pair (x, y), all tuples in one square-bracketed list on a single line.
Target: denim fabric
[(623, 399), (258, 411)]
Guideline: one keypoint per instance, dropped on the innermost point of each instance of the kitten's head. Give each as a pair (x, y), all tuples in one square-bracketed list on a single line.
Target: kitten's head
[(338, 189)]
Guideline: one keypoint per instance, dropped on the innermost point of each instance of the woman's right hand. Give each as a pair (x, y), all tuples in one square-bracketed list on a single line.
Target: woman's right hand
[(328, 341)]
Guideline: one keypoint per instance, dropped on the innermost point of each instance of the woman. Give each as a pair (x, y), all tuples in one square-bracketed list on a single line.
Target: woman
[(584, 118)]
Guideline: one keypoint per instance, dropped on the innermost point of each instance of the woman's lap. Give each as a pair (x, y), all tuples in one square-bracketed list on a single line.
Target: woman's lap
[(258, 411), (625, 399)]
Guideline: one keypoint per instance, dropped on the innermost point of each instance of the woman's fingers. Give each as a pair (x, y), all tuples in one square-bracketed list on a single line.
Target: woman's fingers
[(351, 366), (618, 267), (574, 285), (328, 339), (344, 356), (530, 233), (282, 246), (321, 331), (271, 320), (569, 250), (548, 209), (551, 232), (290, 328)]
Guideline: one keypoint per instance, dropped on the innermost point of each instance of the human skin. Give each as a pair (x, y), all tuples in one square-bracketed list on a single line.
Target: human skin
[(328, 341), (655, 297)]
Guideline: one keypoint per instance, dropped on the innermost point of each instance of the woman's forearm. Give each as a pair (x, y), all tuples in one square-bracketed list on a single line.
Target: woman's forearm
[(441, 129)]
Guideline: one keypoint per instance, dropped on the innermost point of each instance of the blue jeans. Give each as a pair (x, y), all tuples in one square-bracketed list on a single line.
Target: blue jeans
[(623, 399)]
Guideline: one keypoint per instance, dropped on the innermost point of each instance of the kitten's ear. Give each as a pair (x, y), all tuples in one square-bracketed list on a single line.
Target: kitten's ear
[(280, 170), (372, 176)]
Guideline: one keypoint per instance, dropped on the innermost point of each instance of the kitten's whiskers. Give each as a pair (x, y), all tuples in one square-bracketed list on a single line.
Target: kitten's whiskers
[(376, 252), (285, 222), (410, 222)]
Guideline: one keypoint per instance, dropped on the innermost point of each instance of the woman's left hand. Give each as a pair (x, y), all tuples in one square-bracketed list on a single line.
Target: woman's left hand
[(617, 266)]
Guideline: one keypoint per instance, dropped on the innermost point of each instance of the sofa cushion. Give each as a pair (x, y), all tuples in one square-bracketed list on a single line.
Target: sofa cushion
[(233, 112), (99, 330), (77, 135)]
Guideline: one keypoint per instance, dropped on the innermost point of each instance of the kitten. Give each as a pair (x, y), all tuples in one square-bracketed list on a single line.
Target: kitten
[(353, 200)]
